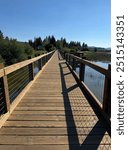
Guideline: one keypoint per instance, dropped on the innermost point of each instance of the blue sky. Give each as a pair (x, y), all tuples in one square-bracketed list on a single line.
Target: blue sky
[(86, 21)]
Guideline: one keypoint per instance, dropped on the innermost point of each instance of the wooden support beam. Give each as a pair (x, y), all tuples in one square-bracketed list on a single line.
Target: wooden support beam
[(73, 63), (107, 94), (31, 71), (66, 57), (6, 90), (82, 71), (40, 64), (69, 59)]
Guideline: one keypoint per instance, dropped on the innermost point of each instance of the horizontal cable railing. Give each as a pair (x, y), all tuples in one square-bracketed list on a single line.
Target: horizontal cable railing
[(17, 81), (37, 67), (14, 78), (97, 80)]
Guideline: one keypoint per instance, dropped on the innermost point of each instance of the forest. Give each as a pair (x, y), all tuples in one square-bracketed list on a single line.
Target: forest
[(13, 51)]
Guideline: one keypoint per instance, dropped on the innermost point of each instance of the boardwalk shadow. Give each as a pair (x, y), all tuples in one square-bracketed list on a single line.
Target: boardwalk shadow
[(94, 138), (72, 132)]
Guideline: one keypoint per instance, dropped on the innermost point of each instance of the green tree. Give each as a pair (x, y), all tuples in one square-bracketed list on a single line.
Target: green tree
[(1, 35), (59, 44), (31, 43), (37, 43), (84, 47), (64, 42), (49, 47), (53, 41)]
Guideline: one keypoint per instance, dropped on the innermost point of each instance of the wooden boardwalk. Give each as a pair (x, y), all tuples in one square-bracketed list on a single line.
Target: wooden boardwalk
[(54, 114)]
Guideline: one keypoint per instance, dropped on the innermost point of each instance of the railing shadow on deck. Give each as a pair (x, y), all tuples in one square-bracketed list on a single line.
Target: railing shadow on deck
[(91, 142)]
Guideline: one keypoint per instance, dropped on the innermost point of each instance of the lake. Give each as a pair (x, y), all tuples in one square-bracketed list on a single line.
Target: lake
[(95, 80)]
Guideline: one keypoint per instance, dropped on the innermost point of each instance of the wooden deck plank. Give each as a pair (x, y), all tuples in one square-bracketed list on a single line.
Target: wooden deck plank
[(48, 140), (48, 131), (54, 147), (53, 108), (54, 114), (47, 124), (50, 117), (51, 103)]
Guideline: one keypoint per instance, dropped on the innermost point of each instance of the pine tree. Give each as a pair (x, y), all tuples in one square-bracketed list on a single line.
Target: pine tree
[(1, 35)]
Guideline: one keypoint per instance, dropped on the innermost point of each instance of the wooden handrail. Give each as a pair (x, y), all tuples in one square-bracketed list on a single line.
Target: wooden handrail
[(19, 65)]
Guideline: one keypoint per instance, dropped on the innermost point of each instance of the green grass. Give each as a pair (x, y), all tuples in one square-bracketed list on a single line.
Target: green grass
[(97, 56)]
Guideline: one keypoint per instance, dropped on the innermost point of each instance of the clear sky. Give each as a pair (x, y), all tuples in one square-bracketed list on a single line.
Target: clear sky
[(86, 21)]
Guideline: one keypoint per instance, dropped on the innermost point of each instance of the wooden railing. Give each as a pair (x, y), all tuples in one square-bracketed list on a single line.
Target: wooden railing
[(15, 79), (73, 62)]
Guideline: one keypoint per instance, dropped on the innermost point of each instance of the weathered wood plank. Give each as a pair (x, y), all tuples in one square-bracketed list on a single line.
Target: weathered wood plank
[(25, 117), (59, 112), (55, 147), (49, 131), (39, 107), (50, 103), (49, 139), (47, 124)]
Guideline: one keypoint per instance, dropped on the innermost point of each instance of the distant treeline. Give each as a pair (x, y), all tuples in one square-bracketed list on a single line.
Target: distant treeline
[(50, 43), (13, 51)]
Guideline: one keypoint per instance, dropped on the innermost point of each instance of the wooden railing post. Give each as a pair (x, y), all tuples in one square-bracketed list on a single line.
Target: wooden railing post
[(6, 90), (82, 71), (31, 70), (107, 94), (46, 58), (69, 59), (42, 60), (66, 56), (73, 63), (40, 64)]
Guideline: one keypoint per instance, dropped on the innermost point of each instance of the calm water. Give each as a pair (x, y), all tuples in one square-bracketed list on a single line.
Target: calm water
[(95, 80)]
